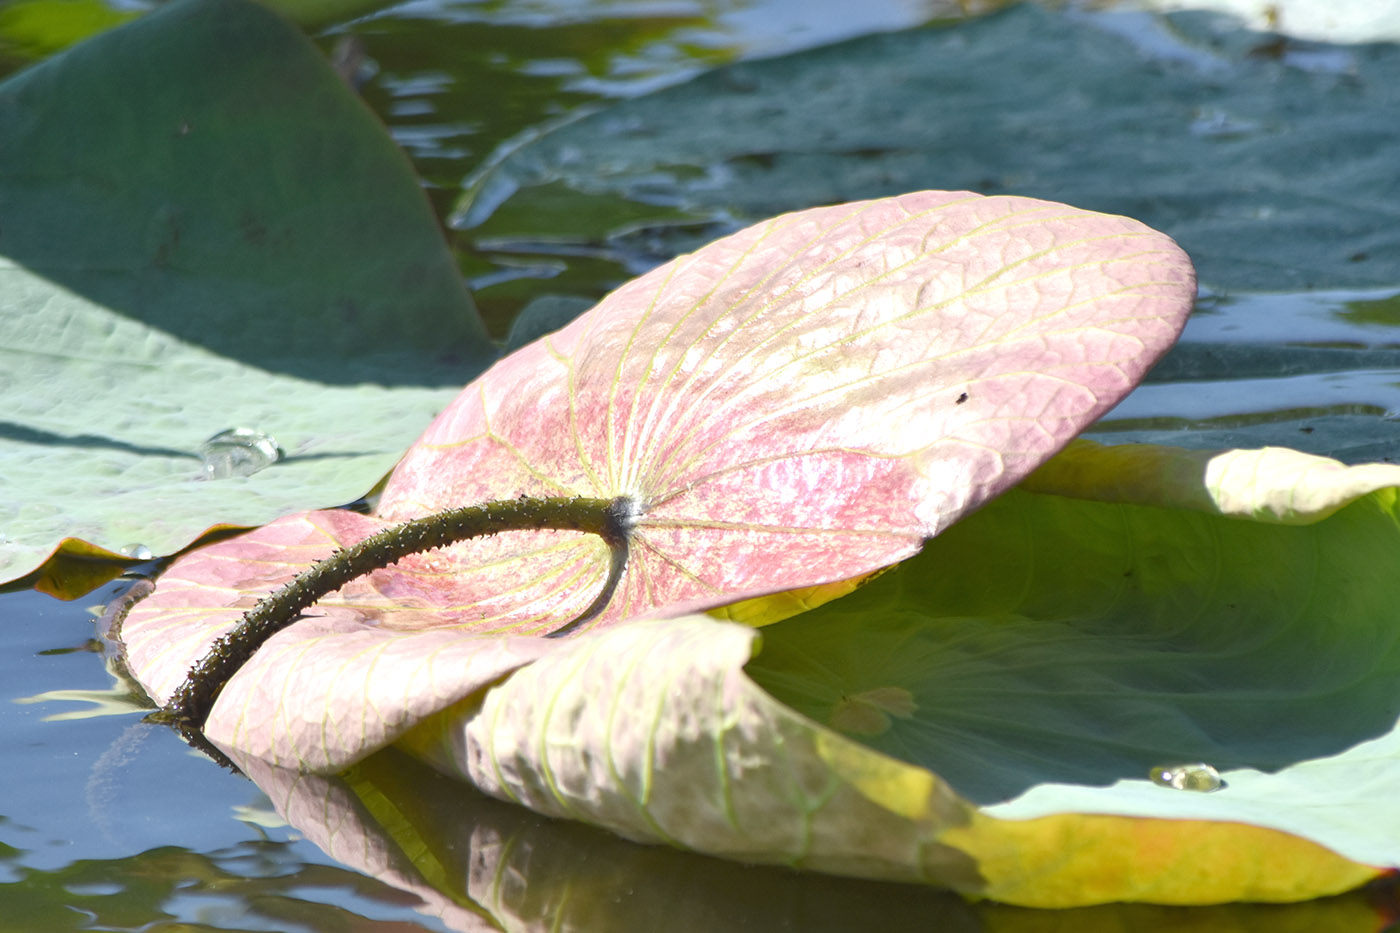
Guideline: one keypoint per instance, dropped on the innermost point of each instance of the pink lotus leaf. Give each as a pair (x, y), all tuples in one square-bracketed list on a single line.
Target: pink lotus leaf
[(800, 403)]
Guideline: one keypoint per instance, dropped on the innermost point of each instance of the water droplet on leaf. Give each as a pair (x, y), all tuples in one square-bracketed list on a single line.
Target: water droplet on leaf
[(138, 551), (238, 452), (1197, 776)]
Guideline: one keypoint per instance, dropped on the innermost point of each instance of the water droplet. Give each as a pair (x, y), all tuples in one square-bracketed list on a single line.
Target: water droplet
[(238, 452), (138, 551), (1197, 776)]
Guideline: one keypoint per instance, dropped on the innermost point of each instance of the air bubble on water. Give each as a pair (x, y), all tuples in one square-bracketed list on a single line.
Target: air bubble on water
[(238, 452), (1196, 776), (137, 551)]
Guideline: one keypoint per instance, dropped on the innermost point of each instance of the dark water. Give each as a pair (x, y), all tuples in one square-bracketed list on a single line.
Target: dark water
[(108, 823)]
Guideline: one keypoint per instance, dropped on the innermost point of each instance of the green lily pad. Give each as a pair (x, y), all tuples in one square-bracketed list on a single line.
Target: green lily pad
[(1273, 171), (205, 229), (1104, 639)]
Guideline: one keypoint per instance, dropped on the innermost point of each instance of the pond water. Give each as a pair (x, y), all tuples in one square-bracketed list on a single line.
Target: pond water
[(113, 824), (110, 823)]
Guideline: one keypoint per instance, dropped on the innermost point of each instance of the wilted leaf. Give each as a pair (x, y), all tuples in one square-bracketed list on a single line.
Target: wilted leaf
[(795, 405), (204, 229)]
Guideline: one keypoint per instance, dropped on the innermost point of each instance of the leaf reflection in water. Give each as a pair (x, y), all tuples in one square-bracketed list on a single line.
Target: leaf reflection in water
[(480, 864)]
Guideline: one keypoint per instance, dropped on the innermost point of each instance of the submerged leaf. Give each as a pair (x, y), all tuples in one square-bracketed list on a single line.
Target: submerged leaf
[(795, 405)]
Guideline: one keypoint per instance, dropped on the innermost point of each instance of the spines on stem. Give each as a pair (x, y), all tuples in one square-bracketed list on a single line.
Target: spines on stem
[(610, 519)]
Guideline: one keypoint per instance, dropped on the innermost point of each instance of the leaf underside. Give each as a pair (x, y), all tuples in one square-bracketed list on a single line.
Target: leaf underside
[(1010, 688), (794, 406)]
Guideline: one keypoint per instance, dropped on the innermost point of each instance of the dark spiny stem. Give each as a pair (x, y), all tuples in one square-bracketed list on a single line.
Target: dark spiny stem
[(622, 515), (610, 519)]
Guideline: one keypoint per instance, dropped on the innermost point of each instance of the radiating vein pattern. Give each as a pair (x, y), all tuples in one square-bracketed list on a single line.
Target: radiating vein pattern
[(803, 402), (878, 367)]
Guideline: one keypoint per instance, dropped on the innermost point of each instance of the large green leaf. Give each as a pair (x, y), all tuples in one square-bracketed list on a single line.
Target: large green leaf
[(204, 229), (1273, 170), (1058, 640), (967, 715)]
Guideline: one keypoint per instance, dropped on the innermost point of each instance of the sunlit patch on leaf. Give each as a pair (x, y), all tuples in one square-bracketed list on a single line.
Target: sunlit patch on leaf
[(73, 569), (775, 607)]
